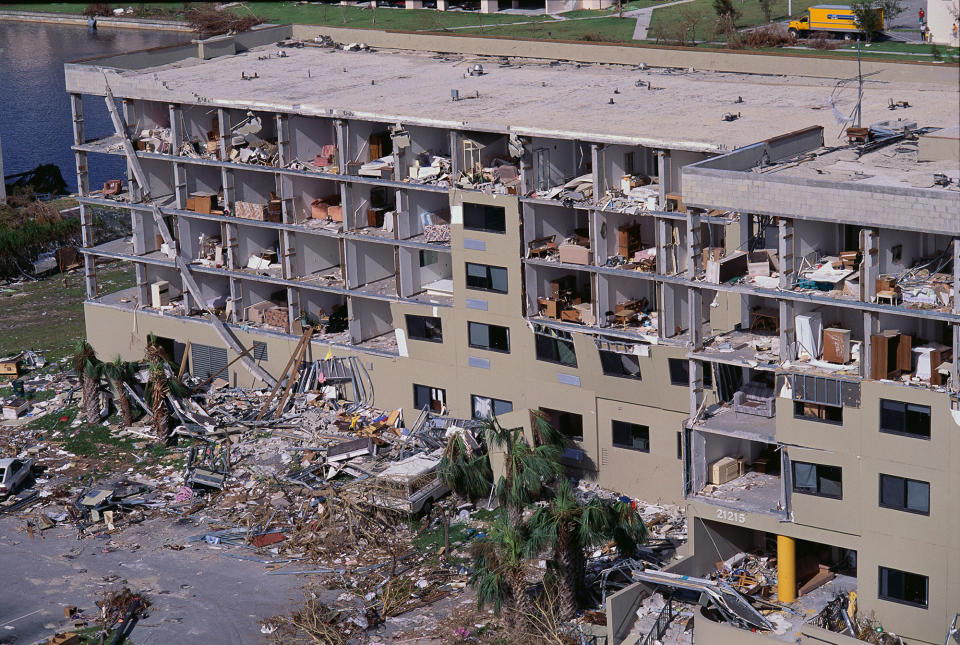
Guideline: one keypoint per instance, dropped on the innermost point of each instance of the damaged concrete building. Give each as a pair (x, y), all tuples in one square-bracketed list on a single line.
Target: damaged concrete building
[(720, 301)]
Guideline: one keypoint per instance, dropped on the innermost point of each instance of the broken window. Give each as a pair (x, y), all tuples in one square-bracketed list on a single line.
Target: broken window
[(480, 217), (631, 435), (818, 479), (818, 412), (555, 346), (428, 257), (431, 398), (904, 494), (492, 337), (680, 372), (908, 419), (485, 407), (901, 586), (569, 424), (483, 277), (425, 328), (617, 364)]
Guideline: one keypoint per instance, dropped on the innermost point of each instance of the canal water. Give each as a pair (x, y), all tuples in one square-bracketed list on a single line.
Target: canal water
[(35, 123)]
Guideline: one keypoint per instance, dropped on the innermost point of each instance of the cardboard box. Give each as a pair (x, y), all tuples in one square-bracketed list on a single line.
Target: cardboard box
[(276, 317), (255, 313), (724, 470), (836, 345)]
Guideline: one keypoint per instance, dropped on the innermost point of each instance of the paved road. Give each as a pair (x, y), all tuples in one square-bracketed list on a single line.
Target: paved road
[(198, 595)]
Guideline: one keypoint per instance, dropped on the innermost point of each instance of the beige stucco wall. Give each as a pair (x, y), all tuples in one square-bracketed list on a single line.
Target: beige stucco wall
[(942, 16)]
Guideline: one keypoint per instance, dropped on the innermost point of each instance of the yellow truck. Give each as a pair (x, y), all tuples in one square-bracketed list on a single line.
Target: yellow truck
[(832, 19)]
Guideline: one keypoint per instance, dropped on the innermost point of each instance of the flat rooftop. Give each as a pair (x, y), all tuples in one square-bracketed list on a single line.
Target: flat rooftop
[(677, 109), (892, 165)]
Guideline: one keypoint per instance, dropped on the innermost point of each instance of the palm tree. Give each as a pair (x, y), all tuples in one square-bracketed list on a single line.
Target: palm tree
[(526, 468), (462, 471), (499, 569), (159, 388), (571, 527), (118, 372), (85, 365)]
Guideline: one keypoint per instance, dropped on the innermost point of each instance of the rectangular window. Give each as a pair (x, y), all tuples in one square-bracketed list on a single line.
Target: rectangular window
[(428, 257), (431, 398), (424, 328), (479, 217), (679, 445), (492, 337), (208, 360), (556, 348), (483, 277), (901, 586), (817, 412), (617, 364), (485, 407), (905, 494), (260, 352), (631, 435), (679, 371), (817, 479), (908, 419), (568, 424)]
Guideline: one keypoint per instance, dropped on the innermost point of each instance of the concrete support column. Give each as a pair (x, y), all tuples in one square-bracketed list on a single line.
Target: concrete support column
[(489, 6), (223, 119), (342, 129), (695, 325), (443, 5), (596, 159), (746, 232), (785, 252), (870, 267), (236, 297), (871, 325), (143, 294), (526, 167), (694, 255), (283, 139), (176, 129), (663, 173), (134, 188), (456, 152), (788, 337), (79, 138), (413, 4), (786, 569), (179, 186)]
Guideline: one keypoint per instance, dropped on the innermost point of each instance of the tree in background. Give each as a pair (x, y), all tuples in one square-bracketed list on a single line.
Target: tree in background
[(871, 14), (725, 8), (766, 6), (86, 367)]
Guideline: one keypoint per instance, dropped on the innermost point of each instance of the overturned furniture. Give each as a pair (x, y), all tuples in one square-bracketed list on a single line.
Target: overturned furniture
[(208, 465), (408, 485)]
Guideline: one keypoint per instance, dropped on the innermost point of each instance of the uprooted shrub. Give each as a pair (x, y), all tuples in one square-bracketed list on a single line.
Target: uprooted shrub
[(768, 36), (207, 21), (821, 40), (95, 9)]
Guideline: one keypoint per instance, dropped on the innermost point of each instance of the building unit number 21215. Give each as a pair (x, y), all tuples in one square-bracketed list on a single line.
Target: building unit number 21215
[(731, 516)]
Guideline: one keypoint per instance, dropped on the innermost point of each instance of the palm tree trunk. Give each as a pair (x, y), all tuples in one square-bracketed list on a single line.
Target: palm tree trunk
[(522, 606), (565, 555), (123, 401), (91, 402), (158, 407)]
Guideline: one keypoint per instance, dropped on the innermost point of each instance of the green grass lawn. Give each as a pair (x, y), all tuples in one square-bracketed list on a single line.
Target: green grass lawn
[(611, 30), (47, 316), (665, 20)]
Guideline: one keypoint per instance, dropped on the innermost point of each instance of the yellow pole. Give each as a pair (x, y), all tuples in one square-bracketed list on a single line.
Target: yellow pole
[(786, 569)]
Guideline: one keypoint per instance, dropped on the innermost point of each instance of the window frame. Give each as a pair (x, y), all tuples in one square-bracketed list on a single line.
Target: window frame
[(906, 410), (817, 478), (489, 277), (670, 366), (909, 603), (803, 417), (630, 427), (488, 347), (905, 508), (556, 343), (549, 414), (472, 206), (442, 391), (493, 406), (427, 339), (603, 367)]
